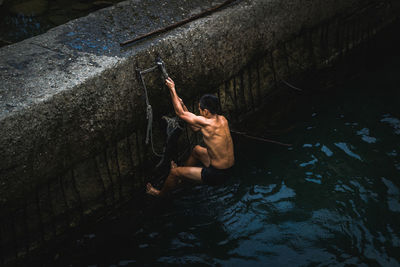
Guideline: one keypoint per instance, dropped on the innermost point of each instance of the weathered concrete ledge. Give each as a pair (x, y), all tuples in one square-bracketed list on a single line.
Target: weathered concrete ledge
[(72, 113)]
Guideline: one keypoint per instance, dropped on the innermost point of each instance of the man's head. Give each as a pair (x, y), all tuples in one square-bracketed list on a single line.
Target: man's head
[(209, 102)]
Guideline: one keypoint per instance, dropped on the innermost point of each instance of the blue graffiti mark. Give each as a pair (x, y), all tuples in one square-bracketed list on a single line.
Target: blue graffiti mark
[(80, 43), (79, 47)]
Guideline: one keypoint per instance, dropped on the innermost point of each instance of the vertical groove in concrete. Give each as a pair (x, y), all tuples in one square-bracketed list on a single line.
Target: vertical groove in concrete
[(340, 38), (2, 247), (39, 214), (119, 179), (64, 197), (235, 98), (44, 204), (140, 159), (58, 208), (219, 98), (345, 43), (25, 225), (131, 164), (272, 66), (18, 230), (244, 102), (311, 48), (101, 182), (14, 239), (357, 35), (134, 159), (286, 59), (124, 168), (109, 177), (258, 82), (78, 195), (250, 86), (1, 244), (50, 200)]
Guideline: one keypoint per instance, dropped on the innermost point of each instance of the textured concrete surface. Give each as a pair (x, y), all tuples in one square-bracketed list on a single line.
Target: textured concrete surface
[(51, 83), (64, 92), (72, 113)]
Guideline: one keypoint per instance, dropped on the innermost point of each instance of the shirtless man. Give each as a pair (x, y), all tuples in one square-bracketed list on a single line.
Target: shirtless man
[(217, 157)]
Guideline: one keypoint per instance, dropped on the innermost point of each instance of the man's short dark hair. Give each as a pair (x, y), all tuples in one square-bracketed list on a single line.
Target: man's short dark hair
[(210, 102)]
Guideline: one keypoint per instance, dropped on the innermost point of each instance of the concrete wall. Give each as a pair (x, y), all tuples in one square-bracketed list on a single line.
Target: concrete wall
[(72, 112)]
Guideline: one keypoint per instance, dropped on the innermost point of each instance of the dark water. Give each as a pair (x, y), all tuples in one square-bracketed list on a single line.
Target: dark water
[(332, 199)]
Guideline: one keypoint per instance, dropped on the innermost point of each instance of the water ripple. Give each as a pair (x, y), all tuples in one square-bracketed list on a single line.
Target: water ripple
[(392, 121), (343, 146)]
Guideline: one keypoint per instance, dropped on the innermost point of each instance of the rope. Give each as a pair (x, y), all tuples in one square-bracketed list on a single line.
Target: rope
[(282, 80), (291, 86), (149, 114), (171, 123), (260, 138)]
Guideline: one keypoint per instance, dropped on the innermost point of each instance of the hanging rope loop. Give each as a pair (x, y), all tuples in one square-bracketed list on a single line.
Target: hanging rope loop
[(149, 117), (149, 110)]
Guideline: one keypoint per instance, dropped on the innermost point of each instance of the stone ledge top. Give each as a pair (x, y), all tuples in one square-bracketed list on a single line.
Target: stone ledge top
[(35, 69)]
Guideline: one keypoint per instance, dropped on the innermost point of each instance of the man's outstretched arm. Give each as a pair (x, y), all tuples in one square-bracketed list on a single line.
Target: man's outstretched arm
[(194, 128), (176, 102), (185, 115)]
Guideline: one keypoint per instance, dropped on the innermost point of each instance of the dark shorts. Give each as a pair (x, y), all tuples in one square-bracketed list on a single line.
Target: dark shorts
[(213, 176)]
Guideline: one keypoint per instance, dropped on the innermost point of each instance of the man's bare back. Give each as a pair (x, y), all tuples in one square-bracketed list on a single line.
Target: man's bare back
[(218, 140)]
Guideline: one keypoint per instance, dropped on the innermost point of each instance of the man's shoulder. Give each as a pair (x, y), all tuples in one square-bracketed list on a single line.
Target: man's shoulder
[(218, 122), (222, 119)]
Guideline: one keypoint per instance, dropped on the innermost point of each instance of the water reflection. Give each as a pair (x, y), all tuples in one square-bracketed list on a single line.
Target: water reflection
[(392, 121), (316, 203), (343, 146)]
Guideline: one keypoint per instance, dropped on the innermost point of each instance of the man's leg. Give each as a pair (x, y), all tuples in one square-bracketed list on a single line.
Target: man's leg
[(188, 173), (199, 154)]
